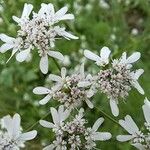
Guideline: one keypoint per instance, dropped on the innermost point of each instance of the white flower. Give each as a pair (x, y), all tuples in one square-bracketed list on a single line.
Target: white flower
[(25, 14), (114, 107), (38, 32), (146, 111), (60, 80), (130, 60), (13, 138), (58, 117), (73, 134), (135, 76), (66, 89), (101, 60), (135, 135), (10, 43), (45, 91), (99, 136)]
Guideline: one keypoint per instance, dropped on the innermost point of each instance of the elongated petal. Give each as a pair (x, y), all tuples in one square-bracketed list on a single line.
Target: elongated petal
[(22, 56), (124, 138), (8, 124), (102, 136), (28, 135), (84, 84), (138, 73), (41, 90), (27, 10), (45, 99), (68, 35), (98, 123), (146, 110), (44, 64), (139, 146), (16, 126), (105, 52), (89, 103), (60, 13), (46, 124), (55, 115), (134, 57), (131, 123), (49, 147), (54, 77), (6, 38), (114, 107), (63, 72), (138, 87), (82, 71), (90, 55), (5, 47), (56, 55), (67, 17)]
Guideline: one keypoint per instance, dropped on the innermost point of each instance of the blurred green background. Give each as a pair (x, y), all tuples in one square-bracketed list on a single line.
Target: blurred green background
[(122, 25)]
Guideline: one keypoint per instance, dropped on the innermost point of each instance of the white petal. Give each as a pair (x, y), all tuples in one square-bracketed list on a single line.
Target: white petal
[(56, 55), (16, 19), (134, 57), (60, 13), (146, 111), (67, 17), (28, 135), (22, 56), (102, 136), (63, 72), (45, 99), (129, 125), (46, 124), (124, 138), (89, 103), (139, 146), (44, 64), (41, 90), (27, 10), (8, 124), (54, 77), (138, 87), (55, 115), (16, 126), (114, 107), (97, 124), (105, 52), (90, 93), (68, 35), (90, 55), (7, 39), (5, 47), (138, 73), (49, 147), (82, 71), (84, 84)]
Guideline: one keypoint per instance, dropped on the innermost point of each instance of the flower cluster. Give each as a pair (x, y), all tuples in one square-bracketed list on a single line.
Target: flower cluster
[(66, 89), (115, 79), (73, 134), (139, 139), (11, 136), (38, 32)]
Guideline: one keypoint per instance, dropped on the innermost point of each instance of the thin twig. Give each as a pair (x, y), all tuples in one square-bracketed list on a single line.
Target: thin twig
[(58, 66), (106, 115)]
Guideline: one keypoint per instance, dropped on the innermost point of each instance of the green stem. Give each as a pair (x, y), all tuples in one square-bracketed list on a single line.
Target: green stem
[(107, 116), (36, 123), (58, 66)]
